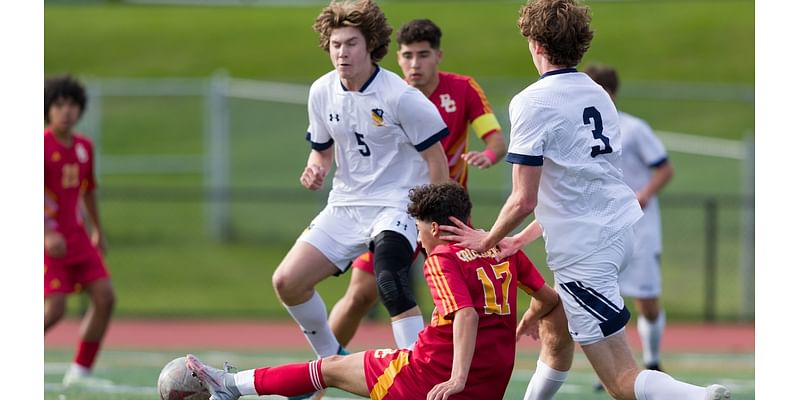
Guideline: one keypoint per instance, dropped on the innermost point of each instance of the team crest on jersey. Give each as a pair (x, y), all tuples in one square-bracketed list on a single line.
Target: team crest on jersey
[(377, 116), (55, 157), (447, 103), (81, 153)]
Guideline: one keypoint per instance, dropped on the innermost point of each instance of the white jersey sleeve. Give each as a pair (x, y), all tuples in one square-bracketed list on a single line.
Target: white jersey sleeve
[(421, 121), (650, 147), (317, 133), (527, 137)]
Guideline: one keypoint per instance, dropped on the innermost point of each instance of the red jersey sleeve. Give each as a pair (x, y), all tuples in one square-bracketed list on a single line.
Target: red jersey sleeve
[(479, 112), (448, 288), (528, 277)]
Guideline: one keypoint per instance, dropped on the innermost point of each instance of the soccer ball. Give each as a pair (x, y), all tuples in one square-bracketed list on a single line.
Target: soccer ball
[(176, 382)]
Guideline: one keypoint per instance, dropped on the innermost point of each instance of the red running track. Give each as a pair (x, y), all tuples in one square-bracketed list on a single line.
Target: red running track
[(285, 335)]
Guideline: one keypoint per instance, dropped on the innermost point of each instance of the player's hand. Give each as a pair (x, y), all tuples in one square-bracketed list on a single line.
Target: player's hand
[(313, 177), (98, 241), (528, 326), (54, 244), (643, 199), (477, 159), (508, 246), (465, 236), (446, 389)]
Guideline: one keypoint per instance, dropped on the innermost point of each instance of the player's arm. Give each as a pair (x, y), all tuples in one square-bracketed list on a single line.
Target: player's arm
[(436, 159), (543, 301), (90, 204), (317, 167), (519, 205), (486, 127), (465, 332), (662, 174), (54, 243)]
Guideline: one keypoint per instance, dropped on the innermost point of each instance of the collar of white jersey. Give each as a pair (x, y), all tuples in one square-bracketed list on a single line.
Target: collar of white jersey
[(558, 72), (366, 84)]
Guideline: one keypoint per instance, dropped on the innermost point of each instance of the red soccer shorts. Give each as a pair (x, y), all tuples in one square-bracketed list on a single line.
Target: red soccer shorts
[(82, 265)]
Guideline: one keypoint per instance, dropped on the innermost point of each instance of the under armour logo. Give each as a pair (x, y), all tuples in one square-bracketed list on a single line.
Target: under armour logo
[(333, 116), (309, 332), (447, 103), (405, 226)]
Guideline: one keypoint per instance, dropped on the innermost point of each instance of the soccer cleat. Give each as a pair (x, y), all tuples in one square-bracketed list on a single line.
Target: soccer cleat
[(717, 392), (77, 375), (219, 383)]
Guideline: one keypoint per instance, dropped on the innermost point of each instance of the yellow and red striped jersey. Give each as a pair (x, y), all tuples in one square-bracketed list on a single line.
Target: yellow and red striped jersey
[(461, 102)]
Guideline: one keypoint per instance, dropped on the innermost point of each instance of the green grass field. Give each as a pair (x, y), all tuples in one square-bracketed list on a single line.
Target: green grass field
[(159, 253), (135, 373)]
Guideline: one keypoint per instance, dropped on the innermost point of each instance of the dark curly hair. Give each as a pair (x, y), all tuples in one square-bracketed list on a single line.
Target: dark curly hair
[(436, 202), (63, 87), (364, 15), (420, 30), (605, 76), (560, 26)]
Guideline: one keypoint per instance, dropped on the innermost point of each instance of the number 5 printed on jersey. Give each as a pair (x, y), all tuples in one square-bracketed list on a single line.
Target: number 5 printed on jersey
[(360, 139), (495, 304)]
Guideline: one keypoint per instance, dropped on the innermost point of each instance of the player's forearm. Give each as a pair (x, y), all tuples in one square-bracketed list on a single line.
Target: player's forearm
[(465, 332), (543, 301), (661, 176), (437, 163), (496, 144), (321, 158), (531, 232), (514, 212), (90, 202)]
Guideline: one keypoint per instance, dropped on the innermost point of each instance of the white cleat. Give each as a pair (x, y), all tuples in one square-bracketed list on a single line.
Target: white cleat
[(78, 376), (219, 383), (717, 392)]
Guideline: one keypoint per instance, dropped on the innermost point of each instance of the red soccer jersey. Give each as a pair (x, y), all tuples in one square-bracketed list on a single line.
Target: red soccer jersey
[(462, 103), (460, 278), (68, 173)]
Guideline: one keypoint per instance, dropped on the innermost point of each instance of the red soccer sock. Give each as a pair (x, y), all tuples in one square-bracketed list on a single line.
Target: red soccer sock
[(87, 352), (290, 380)]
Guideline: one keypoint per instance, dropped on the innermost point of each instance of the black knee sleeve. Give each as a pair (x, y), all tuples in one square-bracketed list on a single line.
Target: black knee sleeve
[(393, 256)]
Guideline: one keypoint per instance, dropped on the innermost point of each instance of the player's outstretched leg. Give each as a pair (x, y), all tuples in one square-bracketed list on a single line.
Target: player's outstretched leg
[(343, 372)]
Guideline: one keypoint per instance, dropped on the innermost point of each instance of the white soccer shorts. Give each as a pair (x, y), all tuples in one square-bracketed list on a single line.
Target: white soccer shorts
[(589, 290), (342, 233), (641, 279)]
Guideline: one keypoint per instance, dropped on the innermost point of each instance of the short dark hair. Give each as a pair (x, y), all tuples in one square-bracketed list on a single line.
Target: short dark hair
[(605, 76), (63, 87), (362, 14), (560, 26), (436, 202), (420, 30)]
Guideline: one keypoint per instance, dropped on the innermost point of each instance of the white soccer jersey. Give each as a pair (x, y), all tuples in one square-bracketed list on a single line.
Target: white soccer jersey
[(567, 124), (642, 152), (378, 133)]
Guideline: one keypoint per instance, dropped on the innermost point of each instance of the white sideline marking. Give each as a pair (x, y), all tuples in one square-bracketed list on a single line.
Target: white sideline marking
[(702, 145)]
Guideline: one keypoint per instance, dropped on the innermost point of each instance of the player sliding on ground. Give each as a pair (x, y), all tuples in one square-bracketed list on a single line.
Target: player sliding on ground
[(469, 347)]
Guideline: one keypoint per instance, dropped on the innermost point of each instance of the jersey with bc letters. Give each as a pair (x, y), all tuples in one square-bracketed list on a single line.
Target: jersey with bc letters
[(567, 124), (68, 173), (378, 133), (462, 104), (460, 278)]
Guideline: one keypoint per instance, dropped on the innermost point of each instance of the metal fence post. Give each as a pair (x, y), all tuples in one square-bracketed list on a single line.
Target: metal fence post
[(711, 259), (217, 155)]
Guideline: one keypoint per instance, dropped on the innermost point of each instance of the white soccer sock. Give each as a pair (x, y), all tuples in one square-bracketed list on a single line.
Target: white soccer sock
[(545, 382), (406, 331), (656, 385), (312, 316), (246, 382), (650, 333)]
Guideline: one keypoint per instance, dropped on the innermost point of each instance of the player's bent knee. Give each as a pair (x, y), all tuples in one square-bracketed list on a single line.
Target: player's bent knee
[(55, 308), (393, 256)]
